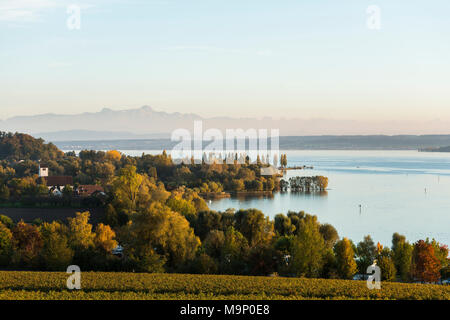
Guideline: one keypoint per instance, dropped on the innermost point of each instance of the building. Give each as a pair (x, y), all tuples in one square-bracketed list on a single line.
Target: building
[(88, 190), (43, 170), (59, 182), (54, 182)]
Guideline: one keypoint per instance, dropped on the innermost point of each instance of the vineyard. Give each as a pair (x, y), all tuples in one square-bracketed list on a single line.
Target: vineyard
[(132, 286)]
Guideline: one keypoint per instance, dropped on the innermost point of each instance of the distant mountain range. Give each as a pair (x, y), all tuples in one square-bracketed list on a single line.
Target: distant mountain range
[(147, 123), (90, 135)]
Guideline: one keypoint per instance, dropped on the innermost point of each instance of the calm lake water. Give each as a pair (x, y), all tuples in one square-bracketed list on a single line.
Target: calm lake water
[(399, 191)]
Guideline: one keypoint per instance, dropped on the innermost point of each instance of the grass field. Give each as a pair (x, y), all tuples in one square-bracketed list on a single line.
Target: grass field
[(131, 286)]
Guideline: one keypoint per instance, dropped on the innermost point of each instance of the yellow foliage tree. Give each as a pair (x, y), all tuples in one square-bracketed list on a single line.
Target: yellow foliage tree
[(159, 227), (104, 237), (114, 155), (132, 190), (80, 230), (345, 259)]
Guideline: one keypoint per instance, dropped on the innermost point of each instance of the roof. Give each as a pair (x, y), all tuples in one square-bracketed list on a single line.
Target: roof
[(58, 181), (89, 189), (43, 165)]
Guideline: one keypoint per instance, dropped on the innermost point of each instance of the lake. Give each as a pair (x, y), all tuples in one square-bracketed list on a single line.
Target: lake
[(399, 191)]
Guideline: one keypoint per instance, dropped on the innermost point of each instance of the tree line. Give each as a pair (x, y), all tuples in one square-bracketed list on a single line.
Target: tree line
[(154, 210)]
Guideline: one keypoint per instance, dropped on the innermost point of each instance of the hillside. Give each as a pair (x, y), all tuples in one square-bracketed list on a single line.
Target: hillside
[(134, 286), (19, 146)]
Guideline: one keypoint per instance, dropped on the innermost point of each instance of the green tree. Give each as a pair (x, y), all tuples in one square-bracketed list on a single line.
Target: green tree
[(329, 234), (365, 254), (386, 264), (203, 264), (252, 223), (308, 248), (402, 255), (213, 243), (68, 192), (56, 253), (4, 192), (261, 261), (234, 253), (283, 225), (207, 221), (111, 217)]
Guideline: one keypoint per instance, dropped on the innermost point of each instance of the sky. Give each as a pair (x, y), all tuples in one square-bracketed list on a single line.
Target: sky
[(242, 58)]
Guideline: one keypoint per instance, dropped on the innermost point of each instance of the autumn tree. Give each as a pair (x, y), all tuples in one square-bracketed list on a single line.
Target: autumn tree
[(426, 265), (105, 238), (6, 245), (441, 252), (157, 230), (182, 206), (126, 187), (237, 185), (80, 231), (345, 259), (113, 155), (7, 221), (27, 244), (283, 160), (322, 182), (133, 191)]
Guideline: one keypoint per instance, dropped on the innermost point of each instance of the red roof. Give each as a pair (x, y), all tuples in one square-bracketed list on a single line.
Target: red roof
[(89, 189)]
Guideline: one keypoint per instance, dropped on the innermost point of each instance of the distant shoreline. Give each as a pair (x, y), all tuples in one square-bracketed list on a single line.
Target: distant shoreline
[(441, 149), (374, 142)]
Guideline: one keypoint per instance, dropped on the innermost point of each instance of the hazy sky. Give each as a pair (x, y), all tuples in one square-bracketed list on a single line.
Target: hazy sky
[(306, 59)]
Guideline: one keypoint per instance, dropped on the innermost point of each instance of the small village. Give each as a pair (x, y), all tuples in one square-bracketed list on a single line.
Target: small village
[(58, 184)]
